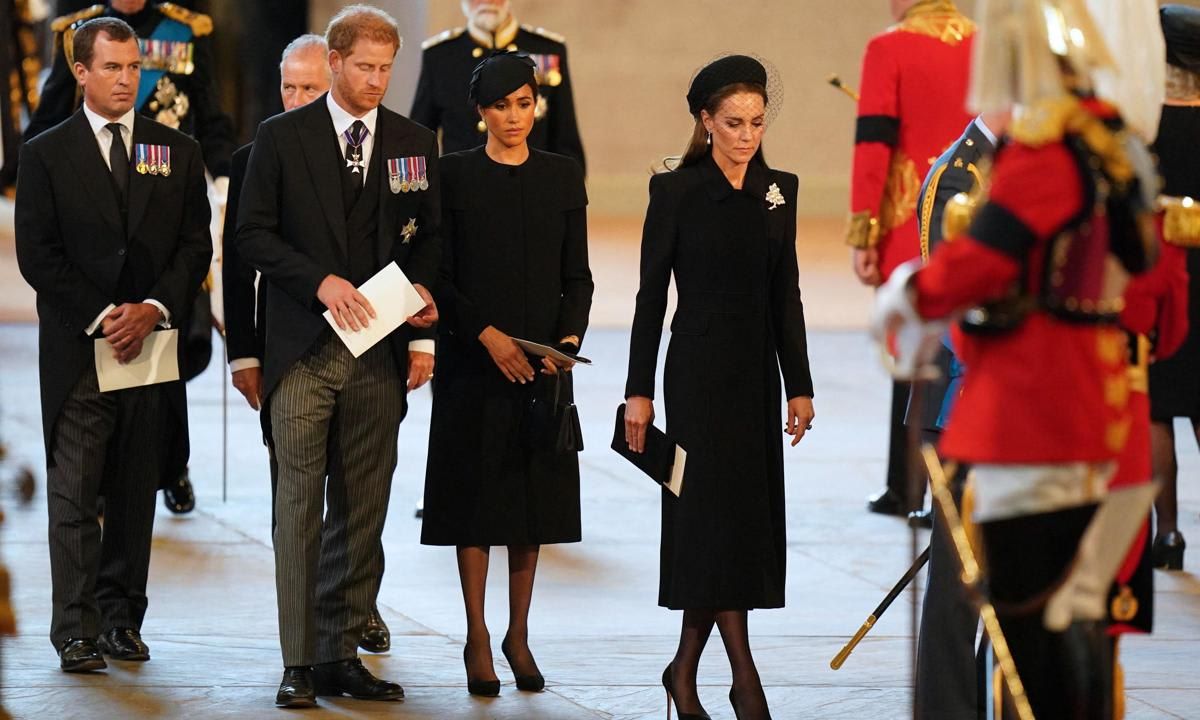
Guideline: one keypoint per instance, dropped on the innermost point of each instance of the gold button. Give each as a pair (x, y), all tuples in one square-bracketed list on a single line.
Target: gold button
[(511, 47), (477, 52)]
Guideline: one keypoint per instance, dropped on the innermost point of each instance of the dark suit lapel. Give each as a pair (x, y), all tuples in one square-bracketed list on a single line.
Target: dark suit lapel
[(320, 154), (91, 170), (387, 141), (140, 186)]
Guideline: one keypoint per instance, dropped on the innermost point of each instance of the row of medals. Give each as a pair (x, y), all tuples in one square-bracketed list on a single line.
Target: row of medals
[(398, 185), (163, 169)]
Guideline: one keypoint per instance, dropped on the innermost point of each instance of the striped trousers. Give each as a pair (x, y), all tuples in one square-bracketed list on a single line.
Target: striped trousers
[(335, 420)]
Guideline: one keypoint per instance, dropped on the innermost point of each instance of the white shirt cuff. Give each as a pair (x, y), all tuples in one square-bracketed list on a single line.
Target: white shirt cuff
[(425, 346), (96, 323), (165, 323), (221, 190), (239, 364)]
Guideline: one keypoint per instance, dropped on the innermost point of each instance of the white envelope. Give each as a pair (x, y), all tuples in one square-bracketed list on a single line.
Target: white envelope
[(394, 299), (675, 484), (157, 363)]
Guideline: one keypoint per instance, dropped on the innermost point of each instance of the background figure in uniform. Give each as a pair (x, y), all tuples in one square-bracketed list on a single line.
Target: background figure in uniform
[(111, 253), (514, 264), (20, 66), (948, 680), (912, 106), (304, 77), (1175, 381), (446, 65), (724, 224), (1043, 410), (177, 89), (334, 192)]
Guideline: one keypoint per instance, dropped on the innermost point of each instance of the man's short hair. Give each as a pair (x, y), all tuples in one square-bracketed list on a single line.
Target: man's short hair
[(309, 42), (361, 21), (83, 44)]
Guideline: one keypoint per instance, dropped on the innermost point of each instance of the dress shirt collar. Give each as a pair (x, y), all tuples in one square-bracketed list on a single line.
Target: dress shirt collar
[(342, 120), (98, 121), (987, 131)]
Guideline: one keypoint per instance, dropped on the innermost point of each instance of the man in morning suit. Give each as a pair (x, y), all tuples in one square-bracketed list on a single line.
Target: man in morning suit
[(335, 191), (448, 59), (303, 77), (112, 253), (912, 106)]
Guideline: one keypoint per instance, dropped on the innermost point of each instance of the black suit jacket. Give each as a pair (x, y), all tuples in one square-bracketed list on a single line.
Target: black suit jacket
[(245, 334), (72, 247), (291, 225)]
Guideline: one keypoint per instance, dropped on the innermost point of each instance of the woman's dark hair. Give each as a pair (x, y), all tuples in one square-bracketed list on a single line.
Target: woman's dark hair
[(532, 86), (698, 147)]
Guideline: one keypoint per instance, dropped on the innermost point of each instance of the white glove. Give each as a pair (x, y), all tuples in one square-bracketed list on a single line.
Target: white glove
[(895, 316)]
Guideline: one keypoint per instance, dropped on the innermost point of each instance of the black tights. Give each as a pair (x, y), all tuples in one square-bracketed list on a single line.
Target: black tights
[(732, 624), (1165, 470)]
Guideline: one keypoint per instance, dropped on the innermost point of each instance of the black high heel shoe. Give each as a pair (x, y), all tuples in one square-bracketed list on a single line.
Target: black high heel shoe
[(528, 683), (482, 688), (733, 701), (1168, 551), (669, 687)]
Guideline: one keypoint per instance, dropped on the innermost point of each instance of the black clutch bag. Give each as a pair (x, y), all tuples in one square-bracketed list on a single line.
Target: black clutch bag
[(551, 419), (663, 460)]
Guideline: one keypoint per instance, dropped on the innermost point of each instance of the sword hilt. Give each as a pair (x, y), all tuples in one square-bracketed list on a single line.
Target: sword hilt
[(840, 659)]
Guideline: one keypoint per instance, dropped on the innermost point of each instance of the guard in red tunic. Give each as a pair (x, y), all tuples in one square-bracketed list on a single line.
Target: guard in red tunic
[(912, 107), (1038, 281)]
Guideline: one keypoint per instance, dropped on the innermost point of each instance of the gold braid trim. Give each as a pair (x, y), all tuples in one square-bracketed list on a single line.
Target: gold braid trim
[(938, 19), (1181, 221), (1048, 121), (927, 209), (862, 231), (59, 24), (200, 23)]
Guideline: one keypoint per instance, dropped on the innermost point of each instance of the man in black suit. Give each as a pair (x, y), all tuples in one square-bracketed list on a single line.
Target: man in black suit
[(334, 192), (111, 253), (303, 77)]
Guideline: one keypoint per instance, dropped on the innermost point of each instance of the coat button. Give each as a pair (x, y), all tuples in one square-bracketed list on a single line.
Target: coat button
[(121, 251)]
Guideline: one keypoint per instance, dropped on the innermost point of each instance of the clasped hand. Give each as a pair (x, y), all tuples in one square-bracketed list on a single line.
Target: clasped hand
[(126, 327), (352, 311)]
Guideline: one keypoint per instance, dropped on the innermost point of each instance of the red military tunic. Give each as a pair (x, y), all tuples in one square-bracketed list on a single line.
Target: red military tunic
[(1049, 390), (912, 106)]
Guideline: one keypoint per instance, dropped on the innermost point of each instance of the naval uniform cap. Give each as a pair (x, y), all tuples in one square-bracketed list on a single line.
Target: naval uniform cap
[(1181, 30)]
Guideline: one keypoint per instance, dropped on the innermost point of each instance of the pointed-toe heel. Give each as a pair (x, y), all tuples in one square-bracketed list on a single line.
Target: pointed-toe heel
[(482, 688), (527, 683), (1167, 552), (668, 686)]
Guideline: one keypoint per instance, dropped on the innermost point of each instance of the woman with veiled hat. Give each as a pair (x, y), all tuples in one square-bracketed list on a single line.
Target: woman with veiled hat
[(515, 265), (724, 224)]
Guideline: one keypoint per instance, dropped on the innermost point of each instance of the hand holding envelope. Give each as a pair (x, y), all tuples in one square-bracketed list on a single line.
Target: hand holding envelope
[(365, 315)]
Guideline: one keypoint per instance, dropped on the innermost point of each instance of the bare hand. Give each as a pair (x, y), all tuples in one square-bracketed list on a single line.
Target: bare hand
[(639, 414), (866, 266), (130, 353), (128, 325), (507, 355), (350, 309), (248, 382), (800, 417), (429, 314), (420, 369)]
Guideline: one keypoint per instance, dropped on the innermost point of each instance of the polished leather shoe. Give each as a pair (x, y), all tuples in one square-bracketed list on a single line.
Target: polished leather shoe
[(1167, 552), (921, 519), (80, 655), (349, 677), (887, 503), (533, 682), (179, 497), (376, 637), (296, 689), (123, 644)]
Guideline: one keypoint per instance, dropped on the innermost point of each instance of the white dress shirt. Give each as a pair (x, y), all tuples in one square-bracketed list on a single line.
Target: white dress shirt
[(104, 140), (342, 120)]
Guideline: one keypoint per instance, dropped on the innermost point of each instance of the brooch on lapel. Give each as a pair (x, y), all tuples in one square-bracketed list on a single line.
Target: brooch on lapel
[(407, 174), (408, 231), (775, 197), (152, 159)]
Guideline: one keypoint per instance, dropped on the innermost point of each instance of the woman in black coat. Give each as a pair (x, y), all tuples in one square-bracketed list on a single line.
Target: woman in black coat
[(725, 224), (514, 265)]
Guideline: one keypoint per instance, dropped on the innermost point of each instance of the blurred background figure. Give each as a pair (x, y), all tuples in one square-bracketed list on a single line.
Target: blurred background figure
[(20, 69)]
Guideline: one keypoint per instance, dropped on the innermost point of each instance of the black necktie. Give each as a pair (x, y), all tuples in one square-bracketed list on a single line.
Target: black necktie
[(118, 160)]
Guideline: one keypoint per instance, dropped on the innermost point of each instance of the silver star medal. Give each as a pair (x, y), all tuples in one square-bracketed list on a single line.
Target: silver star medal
[(409, 230), (774, 197), (355, 161)]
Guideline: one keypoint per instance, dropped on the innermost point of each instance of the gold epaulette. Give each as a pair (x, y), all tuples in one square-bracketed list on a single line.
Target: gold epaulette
[(1181, 221), (442, 37), (548, 34), (938, 19), (60, 24), (1048, 121), (862, 232), (200, 23)]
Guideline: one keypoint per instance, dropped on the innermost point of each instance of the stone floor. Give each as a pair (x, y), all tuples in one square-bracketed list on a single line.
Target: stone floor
[(598, 635)]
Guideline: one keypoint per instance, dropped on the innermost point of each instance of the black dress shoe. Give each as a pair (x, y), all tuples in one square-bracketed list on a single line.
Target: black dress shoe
[(123, 644), (482, 688), (668, 685), (921, 519), (376, 637), (349, 677), (1167, 551), (887, 503), (529, 683), (296, 689), (80, 655), (179, 496)]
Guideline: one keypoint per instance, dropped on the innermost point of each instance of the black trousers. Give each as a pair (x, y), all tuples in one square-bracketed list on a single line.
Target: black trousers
[(897, 467), (103, 443)]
